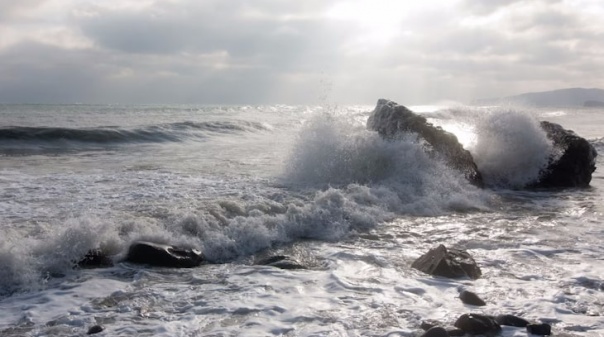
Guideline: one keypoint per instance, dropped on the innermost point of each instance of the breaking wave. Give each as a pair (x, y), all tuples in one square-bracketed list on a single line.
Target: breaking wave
[(173, 132)]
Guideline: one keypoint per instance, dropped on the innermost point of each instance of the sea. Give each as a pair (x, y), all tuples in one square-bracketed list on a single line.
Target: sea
[(241, 183)]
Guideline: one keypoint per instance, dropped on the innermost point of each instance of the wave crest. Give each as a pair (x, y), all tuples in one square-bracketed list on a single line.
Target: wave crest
[(511, 148)]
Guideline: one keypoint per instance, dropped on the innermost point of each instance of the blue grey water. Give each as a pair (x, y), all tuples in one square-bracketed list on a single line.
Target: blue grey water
[(312, 182)]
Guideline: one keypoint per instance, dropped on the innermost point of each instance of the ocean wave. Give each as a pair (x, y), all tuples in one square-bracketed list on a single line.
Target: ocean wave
[(511, 148), (339, 179), (598, 143), (14, 138)]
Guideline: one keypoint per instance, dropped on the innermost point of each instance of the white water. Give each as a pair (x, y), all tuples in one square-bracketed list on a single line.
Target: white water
[(312, 184)]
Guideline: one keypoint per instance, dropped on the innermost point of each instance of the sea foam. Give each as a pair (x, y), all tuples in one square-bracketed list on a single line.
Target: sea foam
[(511, 148), (339, 179)]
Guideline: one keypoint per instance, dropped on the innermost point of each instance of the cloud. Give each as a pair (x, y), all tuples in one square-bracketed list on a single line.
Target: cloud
[(10, 9), (270, 51)]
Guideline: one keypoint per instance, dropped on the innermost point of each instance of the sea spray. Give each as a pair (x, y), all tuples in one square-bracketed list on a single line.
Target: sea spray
[(511, 148)]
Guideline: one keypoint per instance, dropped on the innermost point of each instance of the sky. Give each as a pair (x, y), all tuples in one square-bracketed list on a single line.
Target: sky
[(295, 51)]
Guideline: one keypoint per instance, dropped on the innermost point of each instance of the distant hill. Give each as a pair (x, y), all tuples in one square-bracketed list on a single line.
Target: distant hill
[(573, 97)]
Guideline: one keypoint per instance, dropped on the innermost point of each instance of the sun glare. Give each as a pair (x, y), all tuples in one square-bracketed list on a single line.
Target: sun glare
[(466, 134), (380, 20)]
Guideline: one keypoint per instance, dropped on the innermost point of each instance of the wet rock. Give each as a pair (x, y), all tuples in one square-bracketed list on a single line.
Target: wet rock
[(456, 332), (476, 324), (95, 329), (573, 168), (282, 262), (511, 320), (428, 325), (539, 329), (390, 120), (452, 263), (436, 332), (161, 255), (95, 258), (471, 298)]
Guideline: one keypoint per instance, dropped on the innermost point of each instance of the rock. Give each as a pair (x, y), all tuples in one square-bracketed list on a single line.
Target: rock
[(453, 263), (539, 329), (456, 332), (427, 325), (436, 332), (390, 120), (476, 324), (511, 320), (95, 329), (573, 168), (95, 258), (281, 261), (161, 255), (469, 297)]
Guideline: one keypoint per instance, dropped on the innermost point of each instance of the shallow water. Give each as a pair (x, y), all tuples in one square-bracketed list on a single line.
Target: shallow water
[(303, 181)]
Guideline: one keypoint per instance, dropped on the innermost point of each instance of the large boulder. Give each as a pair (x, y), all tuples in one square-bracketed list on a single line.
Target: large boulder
[(452, 263), (574, 160), (161, 255), (390, 120)]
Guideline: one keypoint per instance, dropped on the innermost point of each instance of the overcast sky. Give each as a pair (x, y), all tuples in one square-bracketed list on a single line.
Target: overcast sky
[(295, 52)]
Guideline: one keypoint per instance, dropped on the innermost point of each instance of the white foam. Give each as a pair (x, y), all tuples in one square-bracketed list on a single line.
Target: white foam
[(540, 252), (511, 148)]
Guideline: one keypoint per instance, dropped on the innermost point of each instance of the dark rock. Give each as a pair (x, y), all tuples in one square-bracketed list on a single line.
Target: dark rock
[(427, 325), (476, 324), (436, 332), (281, 261), (161, 255), (511, 320), (573, 168), (451, 263), (469, 297), (390, 120), (95, 329), (95, 258), (456, 332), (539, 329)]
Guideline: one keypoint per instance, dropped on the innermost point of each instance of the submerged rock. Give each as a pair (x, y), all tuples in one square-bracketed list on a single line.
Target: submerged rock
[(427, 325), (511, 320), (456, 332), (471, 298), (95, 258), (539, 329), (95, 329), (436, 332), (390, 120), (476, 324), (452, 263), (161, 255), (573, 163), (282, 262), (435, 326)]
